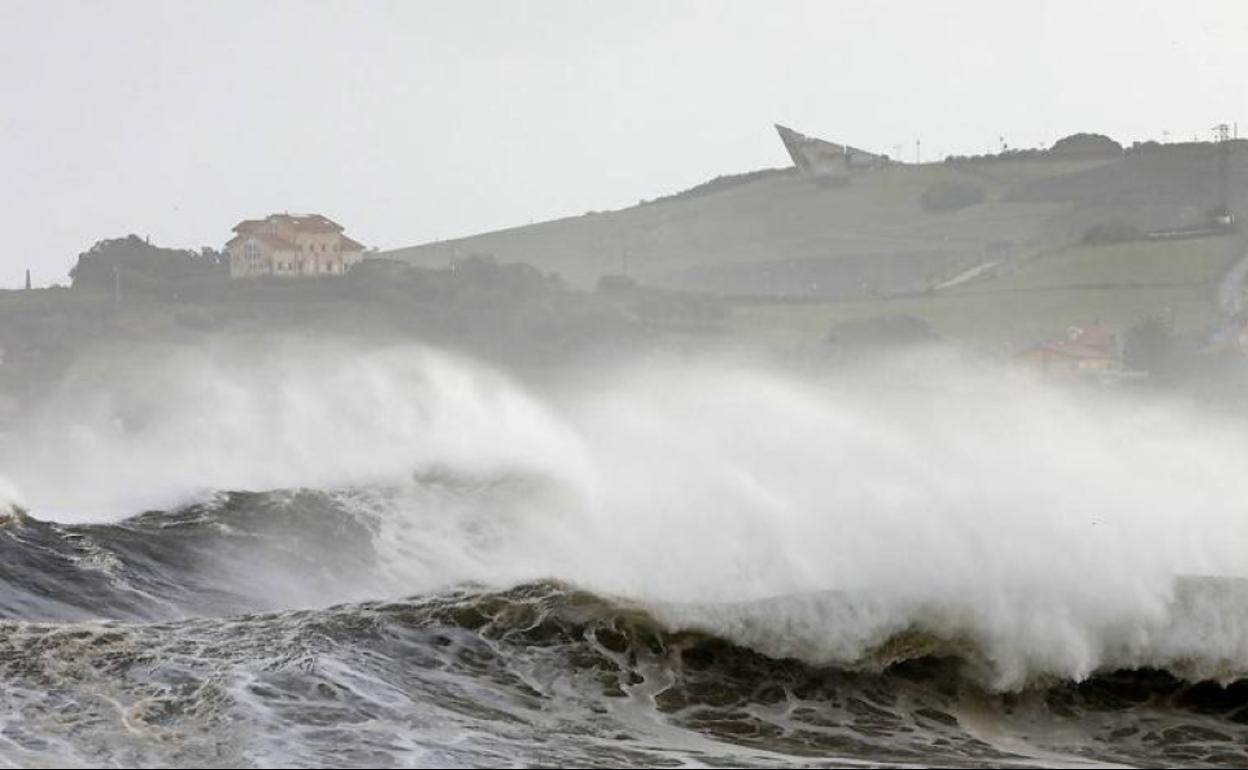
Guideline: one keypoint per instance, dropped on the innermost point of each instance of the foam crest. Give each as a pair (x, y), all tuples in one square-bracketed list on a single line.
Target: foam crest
[(1050, 530)]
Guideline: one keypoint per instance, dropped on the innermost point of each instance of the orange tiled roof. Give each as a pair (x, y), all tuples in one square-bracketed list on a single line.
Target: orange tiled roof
[(1096, 336), (1096, 341), (305, 223), (275, 242), (349, 244), (310, 223)]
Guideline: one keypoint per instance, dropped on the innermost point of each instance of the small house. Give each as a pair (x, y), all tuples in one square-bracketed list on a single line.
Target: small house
[(291, 245), (1090, 350)]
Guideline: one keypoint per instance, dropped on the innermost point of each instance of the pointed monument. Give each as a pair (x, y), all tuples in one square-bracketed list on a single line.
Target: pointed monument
[(28, 279), (823, 159)]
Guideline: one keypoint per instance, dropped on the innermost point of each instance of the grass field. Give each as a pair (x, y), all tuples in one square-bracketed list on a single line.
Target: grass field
[(1199, 260), (1118, 284), (771, 219)]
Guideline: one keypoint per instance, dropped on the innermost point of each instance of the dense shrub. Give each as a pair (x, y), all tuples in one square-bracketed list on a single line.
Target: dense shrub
[(951, 196), (881, 333), (1149, 347), (1006, 156), (143, 266), (1074, 146), (1082, 145), (1111, 232), (617, 285)]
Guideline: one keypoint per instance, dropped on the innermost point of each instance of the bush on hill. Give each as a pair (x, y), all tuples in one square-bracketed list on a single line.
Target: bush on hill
[(617, 285), (1149, 347), (1112, 232), (1084, 145), (1073, 146), (951, 196), (1010, 155), (880, 333), (143, 266)]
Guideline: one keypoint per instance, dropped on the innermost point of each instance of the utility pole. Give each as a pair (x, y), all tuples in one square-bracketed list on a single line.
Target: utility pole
[(1223, 133)]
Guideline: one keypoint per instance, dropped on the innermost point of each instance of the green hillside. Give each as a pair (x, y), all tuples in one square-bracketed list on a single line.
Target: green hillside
[(791, 257), (1119, 284), (1122, 265), (780, 234)]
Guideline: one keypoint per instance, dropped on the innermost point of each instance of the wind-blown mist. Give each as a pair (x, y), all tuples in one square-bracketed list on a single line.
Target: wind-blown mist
[(815, 515)]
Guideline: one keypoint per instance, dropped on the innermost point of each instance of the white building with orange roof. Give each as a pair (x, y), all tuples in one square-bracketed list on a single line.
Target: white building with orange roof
[(1094, 349), (291, 245)]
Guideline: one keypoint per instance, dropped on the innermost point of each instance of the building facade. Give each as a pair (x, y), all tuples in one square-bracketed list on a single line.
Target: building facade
[(1094, 350), (291, 245)]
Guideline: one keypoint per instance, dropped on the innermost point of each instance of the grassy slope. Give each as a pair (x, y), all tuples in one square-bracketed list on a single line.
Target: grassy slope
[(771, 219), (783, 217), (1119, 284)]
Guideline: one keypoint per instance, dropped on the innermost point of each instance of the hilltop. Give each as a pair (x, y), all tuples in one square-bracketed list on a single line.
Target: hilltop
[(998, 252), (776, 233)]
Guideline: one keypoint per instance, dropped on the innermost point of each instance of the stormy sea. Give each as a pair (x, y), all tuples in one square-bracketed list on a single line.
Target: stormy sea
[(337, 557)]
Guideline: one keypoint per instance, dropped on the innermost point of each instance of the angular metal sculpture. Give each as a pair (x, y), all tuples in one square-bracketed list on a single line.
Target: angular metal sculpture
[(822, 159)]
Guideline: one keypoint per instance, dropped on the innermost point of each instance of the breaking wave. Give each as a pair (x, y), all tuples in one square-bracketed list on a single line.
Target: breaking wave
[(798, 564)]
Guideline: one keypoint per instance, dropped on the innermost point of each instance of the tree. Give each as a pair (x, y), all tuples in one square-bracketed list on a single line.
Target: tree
[(1148, 347), (951, 196), (143, 266), (1082, 145)]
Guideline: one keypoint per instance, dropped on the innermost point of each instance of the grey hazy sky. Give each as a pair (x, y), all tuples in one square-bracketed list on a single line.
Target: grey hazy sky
[(409, 122)]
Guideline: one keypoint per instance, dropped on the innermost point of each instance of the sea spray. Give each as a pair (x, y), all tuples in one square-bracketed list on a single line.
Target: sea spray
[(1051, 531), (173, 429), (10, 498)]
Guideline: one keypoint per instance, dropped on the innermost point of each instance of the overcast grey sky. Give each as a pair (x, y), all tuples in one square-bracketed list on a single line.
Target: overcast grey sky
[(409, 122)]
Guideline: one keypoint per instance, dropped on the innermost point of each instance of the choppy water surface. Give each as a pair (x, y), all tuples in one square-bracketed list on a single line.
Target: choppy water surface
[(194, 667), (707, 570)]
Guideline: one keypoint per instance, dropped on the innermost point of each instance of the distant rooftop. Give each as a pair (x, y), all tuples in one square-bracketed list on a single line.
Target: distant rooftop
[(304, 223)]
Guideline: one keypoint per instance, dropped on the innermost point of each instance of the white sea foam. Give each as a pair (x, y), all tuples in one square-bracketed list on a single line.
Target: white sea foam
[(1052, 529), (10, 499)]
